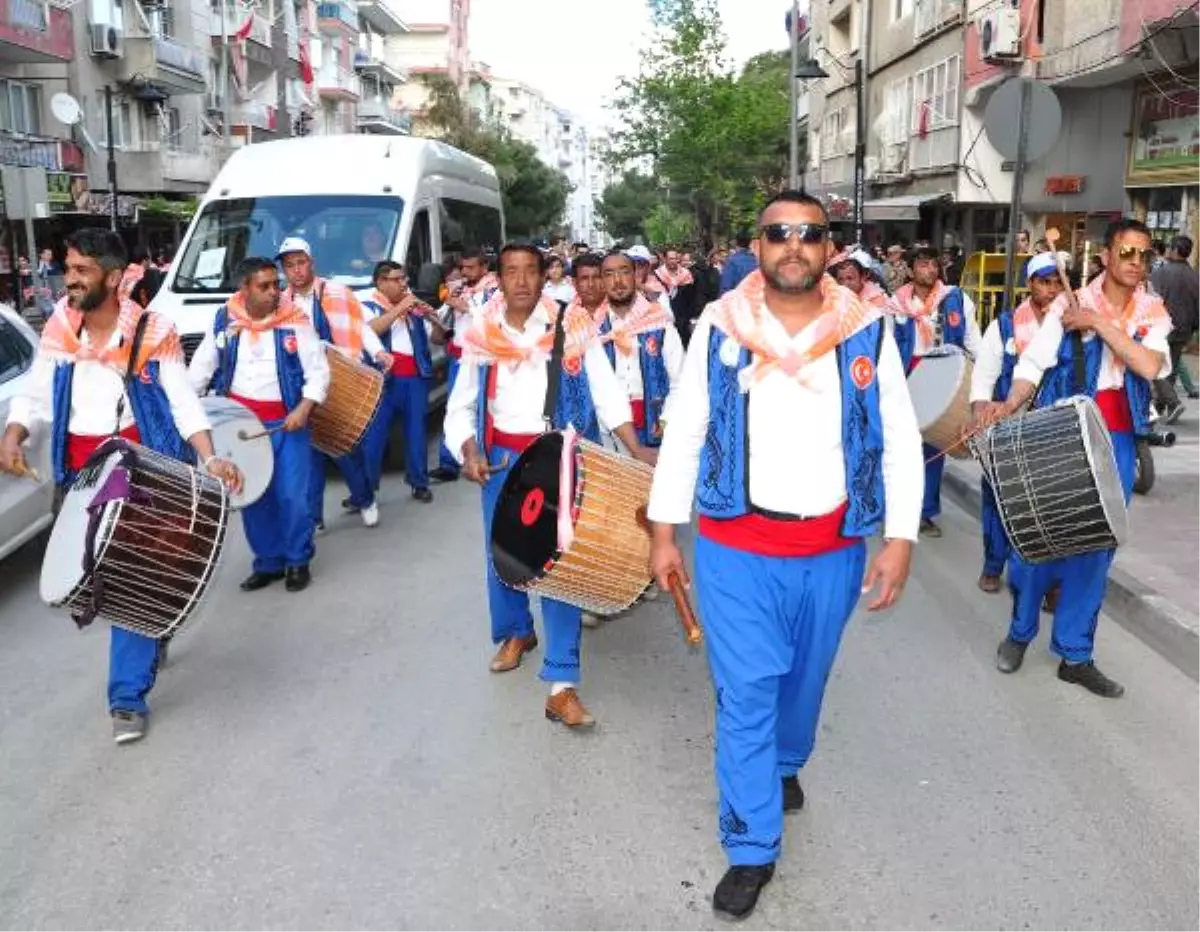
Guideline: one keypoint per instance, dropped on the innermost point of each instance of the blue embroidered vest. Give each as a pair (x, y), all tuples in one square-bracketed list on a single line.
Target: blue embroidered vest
[(151, 413), (287, 361), (953, 323), (1009, 359), (1059, 382), (656, 384), (723, 485), (418, 335)]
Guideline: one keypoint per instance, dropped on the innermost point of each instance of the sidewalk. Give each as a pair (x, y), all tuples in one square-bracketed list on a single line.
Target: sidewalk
[(1153, 590)]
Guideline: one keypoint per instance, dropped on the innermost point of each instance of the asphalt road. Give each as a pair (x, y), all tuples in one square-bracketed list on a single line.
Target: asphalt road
[(344, 759)]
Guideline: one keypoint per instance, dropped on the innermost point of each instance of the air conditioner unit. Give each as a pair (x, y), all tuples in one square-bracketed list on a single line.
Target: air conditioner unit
[(892, 157), (1000, 35), (107, 41)]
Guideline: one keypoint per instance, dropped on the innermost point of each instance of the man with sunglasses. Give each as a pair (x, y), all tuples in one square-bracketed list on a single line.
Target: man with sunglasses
[(791, 428), (1119, 331), (929, 315), (1006, 338)]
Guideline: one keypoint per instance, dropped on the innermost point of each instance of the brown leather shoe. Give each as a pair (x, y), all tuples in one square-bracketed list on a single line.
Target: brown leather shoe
[(566, 708), (989, 584), (1050, 601), (508, 657)]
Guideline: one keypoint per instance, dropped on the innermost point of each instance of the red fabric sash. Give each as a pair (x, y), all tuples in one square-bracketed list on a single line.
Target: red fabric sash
[(1114, 408), (772, 537), (404, 366), (82, 446), (263, 410), (639, 412), (515, 442)]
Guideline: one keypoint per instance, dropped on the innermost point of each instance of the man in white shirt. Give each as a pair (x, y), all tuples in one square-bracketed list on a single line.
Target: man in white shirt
[(929, 315), (497, 409), (791, 427), (337, 316), (405, 326), (265, 355), (470, 294), (1007, 337), (1107, 341), (105, 367)]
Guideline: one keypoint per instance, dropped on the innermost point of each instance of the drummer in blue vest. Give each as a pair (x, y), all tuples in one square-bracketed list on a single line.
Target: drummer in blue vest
[(404, 325), (1007, 337), (1107, 341), (793, 431), (263, 353), (82, 384), (928, 315), (497, 409)]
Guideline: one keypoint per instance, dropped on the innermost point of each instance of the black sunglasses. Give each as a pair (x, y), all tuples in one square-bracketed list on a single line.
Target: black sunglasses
[(779, 233)]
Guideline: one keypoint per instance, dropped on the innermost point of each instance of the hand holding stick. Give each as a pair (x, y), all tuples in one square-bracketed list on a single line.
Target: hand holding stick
[(246, 435), (683, 608)]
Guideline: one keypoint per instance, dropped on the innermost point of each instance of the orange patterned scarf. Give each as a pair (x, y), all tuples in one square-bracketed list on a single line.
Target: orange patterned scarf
[(62, 342), (342, 310), (487, 341), (240, 320), (644, 316), (1025, 326), (902, 304), (740, 314), (1142, 311)]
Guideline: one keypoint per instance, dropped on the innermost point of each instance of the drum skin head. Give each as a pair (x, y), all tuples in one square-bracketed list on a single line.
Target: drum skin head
[(933, 386), (255, 458), (62, 564), (525, 524)]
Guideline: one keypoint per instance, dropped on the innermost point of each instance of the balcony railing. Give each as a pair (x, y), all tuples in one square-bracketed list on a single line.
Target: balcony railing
[(931, 15), (376, 116), (255, 114), (235, 18), (177, 67), (338, 82), (35, 32), (341, 13)]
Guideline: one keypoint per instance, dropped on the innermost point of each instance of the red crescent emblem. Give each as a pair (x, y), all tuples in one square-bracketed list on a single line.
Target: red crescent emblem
[(652, 346), (144, 375), (572, 365), (862, 371), (289, 343), (954, 318)]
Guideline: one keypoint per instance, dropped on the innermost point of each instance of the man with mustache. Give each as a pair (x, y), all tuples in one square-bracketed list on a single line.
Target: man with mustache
[(264, 354), (793, 430), (105, 366), (497, 409)]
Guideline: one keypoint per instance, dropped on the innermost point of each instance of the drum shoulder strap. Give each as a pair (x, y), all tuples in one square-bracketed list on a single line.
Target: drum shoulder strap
[(1080, 363), (554, 365), (139, 336)]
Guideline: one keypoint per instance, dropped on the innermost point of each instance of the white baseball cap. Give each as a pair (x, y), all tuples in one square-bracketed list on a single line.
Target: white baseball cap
[(639, 253), (293, 244)]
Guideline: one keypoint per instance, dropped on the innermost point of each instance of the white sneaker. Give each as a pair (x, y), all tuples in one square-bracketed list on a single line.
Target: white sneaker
[(370, 515), (652, 592), (591, 620)]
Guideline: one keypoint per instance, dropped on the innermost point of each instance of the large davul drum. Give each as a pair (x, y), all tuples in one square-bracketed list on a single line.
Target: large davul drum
[(1056, 481), (137, 541), (570, 524)]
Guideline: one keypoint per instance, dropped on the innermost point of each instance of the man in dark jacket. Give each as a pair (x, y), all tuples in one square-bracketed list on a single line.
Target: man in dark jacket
[(1178, 284)]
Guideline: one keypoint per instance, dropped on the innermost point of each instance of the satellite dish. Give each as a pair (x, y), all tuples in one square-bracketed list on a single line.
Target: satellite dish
[(66, 109)]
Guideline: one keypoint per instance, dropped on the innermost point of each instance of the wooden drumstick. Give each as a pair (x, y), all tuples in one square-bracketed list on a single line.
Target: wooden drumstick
[(26, 472), (683, 608), (244, 435), (1052, 237)]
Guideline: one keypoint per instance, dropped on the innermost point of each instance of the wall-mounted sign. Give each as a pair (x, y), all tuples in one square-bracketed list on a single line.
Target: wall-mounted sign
[(1065, 184), (1165, 142)]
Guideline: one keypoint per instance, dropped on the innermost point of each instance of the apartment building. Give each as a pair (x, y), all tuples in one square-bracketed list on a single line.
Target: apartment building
[(435, 43)]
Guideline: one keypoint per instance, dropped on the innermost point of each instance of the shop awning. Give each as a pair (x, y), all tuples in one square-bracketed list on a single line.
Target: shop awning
[(906, 207)]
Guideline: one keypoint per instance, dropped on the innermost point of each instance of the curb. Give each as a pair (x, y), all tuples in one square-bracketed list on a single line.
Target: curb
[(1156, 621)]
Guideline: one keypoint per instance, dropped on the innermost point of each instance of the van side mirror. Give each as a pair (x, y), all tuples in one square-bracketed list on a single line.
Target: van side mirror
[(428, 281)]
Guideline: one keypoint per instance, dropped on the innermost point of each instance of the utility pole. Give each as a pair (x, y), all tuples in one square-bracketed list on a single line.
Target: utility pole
[(224, 71), (860, 146), (793, 122), (112, 160), (1018, 192)]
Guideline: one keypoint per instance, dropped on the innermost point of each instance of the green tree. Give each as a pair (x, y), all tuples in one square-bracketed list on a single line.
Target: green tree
[(668, 226), (717, 136), (534, 195), (625, 205)]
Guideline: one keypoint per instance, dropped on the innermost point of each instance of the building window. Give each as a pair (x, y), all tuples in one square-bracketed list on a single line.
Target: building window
[(122, 122), (20, 107), (901, 9), (831, 133), (935, 96), (897, 105), (172, 126)]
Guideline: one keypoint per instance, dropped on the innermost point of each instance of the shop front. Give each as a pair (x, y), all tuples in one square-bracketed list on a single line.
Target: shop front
[(1164, 151)]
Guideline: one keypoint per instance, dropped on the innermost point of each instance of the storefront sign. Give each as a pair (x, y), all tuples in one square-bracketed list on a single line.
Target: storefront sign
[(1065, 184), (67, 193), (30, 154), (1165, 144)]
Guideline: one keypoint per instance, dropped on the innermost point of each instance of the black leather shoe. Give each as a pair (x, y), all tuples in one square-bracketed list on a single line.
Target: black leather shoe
[(1010, 655), (737, 893), (349, 506), (298, 578), (1091, 679), (256, 581), (793, 795), (442, 474), (424, 496)]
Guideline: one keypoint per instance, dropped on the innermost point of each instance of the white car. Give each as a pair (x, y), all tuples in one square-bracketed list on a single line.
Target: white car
[(26, 505)]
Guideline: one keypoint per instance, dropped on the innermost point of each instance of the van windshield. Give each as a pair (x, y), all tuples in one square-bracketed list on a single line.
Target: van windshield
[(348, 234)]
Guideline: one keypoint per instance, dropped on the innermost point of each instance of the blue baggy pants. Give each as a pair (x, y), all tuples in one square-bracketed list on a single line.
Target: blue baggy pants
[(279, 526), (509, 608), (1083, 580), (406, 398), (773, 625), (996, 547), (446, 459), (931, 505), (352, 466)]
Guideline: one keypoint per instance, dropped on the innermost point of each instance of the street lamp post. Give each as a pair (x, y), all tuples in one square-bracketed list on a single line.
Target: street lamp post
[(794, 119)]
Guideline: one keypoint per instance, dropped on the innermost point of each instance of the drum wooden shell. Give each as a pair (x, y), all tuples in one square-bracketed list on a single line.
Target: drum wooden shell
[(156, 557), (1056, 481), (355, 393), (940, 387), (607, 565)]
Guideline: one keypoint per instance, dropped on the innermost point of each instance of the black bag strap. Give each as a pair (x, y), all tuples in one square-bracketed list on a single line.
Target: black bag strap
[(554, 365), (135, 349), (1080, 363)]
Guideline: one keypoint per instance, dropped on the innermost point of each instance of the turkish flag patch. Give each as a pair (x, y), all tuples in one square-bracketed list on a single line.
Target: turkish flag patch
[(954, 318), (862, 371), (289, 343), (652, 346), (144, 375), (572, 365)]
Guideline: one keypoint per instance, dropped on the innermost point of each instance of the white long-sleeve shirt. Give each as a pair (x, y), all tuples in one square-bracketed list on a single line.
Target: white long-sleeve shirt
[(402, 344), (989, 363), (256, 376), (629, 368), (796, 461), (96, 390), (521, 393), (1042, 352)]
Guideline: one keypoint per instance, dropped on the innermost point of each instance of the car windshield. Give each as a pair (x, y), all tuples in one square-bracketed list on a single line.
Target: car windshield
[(348, 235)]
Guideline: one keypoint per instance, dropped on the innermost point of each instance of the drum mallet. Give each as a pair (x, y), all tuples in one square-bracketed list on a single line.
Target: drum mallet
[(246, 435), (683, 605), (26, 472)]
